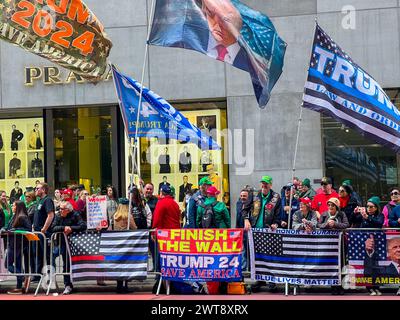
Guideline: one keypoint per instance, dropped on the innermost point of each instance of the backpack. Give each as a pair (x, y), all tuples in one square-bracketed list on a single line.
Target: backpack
[(208, 219)]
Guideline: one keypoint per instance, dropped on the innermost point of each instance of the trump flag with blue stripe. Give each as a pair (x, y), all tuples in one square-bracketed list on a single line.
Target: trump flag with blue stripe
[(225, 30), (339, 88), (157, 117)]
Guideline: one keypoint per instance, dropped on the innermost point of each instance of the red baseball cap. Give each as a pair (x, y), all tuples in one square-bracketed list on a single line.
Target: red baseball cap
[(306, 201), (67, 191), (213, 191)]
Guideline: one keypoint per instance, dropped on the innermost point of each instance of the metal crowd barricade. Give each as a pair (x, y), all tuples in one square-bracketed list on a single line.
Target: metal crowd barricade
[(59, 269), (65, 269), (22, 256)]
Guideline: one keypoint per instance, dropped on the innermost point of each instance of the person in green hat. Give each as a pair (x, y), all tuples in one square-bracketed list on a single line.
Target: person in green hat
[(194, 202), (348, 183), (307, 191), (372, 218), (265, 214)]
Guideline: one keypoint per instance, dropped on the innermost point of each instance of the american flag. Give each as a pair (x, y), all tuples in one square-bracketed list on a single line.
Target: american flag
[(109, 255), (296, 254), (356, 251)]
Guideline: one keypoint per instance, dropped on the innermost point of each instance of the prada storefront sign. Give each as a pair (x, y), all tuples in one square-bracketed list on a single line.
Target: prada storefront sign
[(54, 75)]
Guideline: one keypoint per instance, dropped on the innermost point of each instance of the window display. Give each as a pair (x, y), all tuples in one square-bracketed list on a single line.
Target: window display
[(20, 166)]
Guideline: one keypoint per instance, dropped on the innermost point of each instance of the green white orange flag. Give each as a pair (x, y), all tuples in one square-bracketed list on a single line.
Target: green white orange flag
[(28, 235), (65, 32)]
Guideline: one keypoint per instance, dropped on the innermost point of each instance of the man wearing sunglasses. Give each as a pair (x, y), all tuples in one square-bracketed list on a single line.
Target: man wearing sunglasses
[(394, 201)]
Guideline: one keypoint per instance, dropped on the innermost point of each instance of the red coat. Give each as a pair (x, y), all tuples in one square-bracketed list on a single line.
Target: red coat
[(74, 205), (320, 200), (167, 214)]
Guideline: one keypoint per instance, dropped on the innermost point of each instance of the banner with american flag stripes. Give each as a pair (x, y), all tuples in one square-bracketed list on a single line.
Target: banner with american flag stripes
[(200, 254), (379, 266), (295, 257), (110, 255)]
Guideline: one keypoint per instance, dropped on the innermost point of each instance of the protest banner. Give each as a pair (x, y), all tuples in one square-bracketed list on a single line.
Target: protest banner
[(295, 256), (373, 257), (200, 254), (65, 32), (96, 208)]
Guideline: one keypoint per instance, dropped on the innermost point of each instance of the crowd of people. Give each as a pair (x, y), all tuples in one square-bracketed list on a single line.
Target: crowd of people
[(297, 206)]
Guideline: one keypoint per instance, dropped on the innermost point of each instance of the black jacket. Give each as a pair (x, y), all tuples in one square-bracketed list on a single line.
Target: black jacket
[(353, 218), (73, 220)]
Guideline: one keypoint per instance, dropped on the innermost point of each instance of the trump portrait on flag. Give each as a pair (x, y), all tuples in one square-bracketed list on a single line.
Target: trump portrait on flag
[(225, 30)]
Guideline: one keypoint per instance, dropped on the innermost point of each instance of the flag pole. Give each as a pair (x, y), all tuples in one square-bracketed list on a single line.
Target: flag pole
[(294, 165), (133, 149)]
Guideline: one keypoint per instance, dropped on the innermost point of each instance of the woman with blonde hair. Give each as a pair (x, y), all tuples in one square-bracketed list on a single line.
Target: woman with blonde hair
[(121, 223), (121, 216)]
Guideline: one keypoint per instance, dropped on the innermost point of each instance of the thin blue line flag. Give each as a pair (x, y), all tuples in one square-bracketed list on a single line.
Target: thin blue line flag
[(157, 117), (339, 88), (225, 30)]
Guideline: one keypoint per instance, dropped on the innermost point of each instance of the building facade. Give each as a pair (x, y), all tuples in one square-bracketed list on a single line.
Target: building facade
[(82, 132)]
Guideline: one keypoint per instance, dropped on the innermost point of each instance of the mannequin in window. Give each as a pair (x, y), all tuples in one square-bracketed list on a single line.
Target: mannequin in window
[(16, 136), (35, 141), (37, 166), (15, 164), (164, 160)]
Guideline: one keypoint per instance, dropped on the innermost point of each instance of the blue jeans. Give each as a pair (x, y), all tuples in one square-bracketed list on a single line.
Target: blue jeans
[(14, 263), (62, 250)]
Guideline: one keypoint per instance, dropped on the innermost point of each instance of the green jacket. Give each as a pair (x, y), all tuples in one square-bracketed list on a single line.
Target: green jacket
[(222, 217)]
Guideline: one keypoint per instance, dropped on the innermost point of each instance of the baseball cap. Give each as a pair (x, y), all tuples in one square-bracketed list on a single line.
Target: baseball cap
[(306, 201), (166, 189), (266, 179), (68, 192), (326, 180), (205, 180), (123, 201), (213, 191)]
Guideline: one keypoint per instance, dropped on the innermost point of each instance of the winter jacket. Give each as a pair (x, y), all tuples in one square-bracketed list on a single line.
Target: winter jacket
[(354, 219), (374, 221), (167, 214), (193, 204), (283, 215), (341, 221), (273, 217), (73, 220), (310, 193), (387, 209), (222, 217), (319, 202), (393, 217), (31, 207)]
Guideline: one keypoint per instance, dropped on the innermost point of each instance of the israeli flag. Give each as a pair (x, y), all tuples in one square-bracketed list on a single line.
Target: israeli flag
[(157, 117)]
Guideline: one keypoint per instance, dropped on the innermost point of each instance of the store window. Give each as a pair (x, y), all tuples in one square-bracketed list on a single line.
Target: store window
[(182, 165), (373, 168), (21, 154), (82, 142)]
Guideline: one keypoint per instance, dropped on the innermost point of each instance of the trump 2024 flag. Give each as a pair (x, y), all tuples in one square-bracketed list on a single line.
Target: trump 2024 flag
[(225, 30), (339, 88)]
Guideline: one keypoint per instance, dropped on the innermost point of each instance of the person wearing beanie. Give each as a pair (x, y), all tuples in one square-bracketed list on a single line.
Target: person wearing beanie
[(349, 184), (222, 218), (348, 204), (306, 190), (334, 219), (305, 218), (372, 216)]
